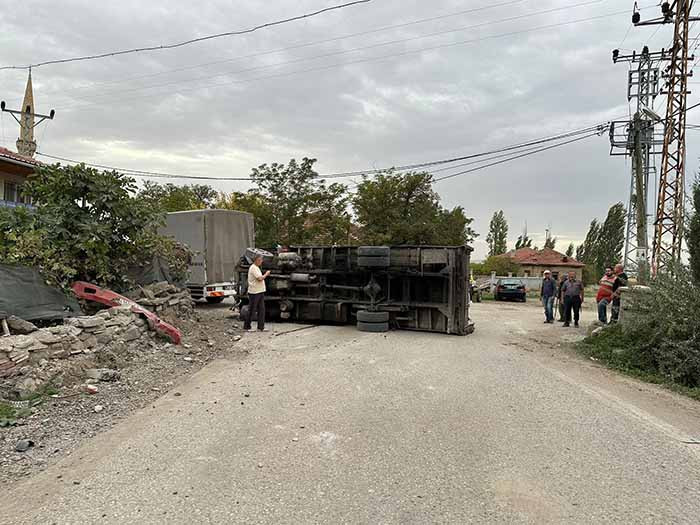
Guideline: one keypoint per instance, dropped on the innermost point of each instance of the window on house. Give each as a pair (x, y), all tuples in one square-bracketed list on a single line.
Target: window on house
[(10, 191), (555, 275)]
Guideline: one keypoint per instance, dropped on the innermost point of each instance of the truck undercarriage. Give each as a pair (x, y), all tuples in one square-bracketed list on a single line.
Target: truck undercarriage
[(378, 287)]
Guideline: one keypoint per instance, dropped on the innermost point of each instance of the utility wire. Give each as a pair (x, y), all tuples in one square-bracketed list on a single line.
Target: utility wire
[(187, 42), (361, 61), (596, 129), (340, 52), (290, 48)]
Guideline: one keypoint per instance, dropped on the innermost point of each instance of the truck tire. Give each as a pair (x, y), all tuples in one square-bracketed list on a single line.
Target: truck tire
[(214, 300), (372, 327), (365, 316), (373, 262), (373, 251)]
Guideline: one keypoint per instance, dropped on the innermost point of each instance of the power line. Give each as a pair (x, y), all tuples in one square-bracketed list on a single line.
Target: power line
[(143, 173), (188, 42), (292, 47), (363, 60), (342, 52)]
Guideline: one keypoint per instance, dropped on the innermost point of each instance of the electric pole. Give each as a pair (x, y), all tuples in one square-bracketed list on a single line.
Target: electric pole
[(636, 139), (668, 228)]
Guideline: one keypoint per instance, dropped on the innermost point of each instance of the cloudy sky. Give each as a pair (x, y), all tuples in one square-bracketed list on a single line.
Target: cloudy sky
[(460, 80)]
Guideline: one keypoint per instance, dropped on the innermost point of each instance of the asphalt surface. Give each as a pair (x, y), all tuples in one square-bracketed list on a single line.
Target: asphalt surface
[(329, 425)]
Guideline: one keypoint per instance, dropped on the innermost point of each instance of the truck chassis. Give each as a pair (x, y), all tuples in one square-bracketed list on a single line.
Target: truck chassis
[(411, 287)]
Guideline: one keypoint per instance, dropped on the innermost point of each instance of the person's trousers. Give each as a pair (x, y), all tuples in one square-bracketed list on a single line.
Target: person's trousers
[(256, 303), (603, 310), (548, 303), (615, 310), (572, 303)]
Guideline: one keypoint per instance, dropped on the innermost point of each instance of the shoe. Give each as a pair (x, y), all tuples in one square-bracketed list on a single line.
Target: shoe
[(546, 322), (566, 325), (261, 330), (576, 325), (249, 330)]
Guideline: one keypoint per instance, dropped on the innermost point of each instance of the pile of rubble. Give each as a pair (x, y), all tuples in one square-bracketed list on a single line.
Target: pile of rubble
[(28, 356), (163, 297)]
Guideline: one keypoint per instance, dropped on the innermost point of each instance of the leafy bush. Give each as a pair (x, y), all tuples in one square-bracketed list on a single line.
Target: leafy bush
[(660, 333), (88, 225)]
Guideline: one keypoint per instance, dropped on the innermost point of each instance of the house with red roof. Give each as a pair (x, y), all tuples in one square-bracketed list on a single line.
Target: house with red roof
[(14, 171), (533, 262)]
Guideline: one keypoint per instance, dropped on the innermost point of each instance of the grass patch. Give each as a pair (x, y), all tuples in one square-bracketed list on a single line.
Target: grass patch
[(615, 350), (9, 415)]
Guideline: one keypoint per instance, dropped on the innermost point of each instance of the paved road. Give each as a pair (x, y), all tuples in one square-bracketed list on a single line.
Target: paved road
[(329, 425)]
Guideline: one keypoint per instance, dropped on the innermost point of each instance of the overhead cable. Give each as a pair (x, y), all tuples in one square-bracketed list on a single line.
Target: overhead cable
[(187, 42)]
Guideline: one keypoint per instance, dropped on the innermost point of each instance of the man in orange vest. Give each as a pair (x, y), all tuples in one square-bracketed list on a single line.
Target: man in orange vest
[(605, 295)]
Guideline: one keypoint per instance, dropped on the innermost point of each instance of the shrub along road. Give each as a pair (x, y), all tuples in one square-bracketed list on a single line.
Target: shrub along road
[(332, 425)]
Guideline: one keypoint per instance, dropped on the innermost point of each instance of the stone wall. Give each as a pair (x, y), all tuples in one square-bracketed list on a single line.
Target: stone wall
[(76, 336), (162, 298)]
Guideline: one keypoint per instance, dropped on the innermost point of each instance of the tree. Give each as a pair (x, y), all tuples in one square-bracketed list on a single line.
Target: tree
[(611, 238), (523, 242), (693, 235), (169, 197), (570, 250), (500, 264), (292, 205), (88, 225), (550, 243), (498, 234), (403, 209)]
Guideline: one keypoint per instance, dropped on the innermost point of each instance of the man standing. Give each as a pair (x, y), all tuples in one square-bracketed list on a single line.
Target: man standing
[(562, 279), (256, 295), (605, 295), (620, 281), (572, 295), (547, 293)]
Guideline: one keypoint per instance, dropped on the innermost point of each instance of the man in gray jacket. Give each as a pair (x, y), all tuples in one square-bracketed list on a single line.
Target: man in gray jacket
[(572, 296)]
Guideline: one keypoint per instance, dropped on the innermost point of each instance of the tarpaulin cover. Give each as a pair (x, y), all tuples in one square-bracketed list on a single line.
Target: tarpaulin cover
[(24, 293), (155, 272), (218, 238)]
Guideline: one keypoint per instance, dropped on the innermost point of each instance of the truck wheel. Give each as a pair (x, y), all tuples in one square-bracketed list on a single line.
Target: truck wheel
[(373, 262), (373, 251), (372, 327), (364, 316)]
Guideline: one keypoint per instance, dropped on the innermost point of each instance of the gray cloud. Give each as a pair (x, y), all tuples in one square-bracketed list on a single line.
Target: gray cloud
[(421, 106)]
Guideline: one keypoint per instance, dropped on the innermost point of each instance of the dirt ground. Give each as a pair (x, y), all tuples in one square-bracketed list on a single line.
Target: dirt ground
[(60, 423)]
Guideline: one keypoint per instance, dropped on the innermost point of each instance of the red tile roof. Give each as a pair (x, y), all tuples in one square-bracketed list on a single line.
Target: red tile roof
[(6, 153), (546, 257)]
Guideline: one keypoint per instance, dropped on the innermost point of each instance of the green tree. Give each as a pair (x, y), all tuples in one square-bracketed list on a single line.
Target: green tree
[(570, 250), (523, 242), (403, 209), (498, 234), (693, 235), (88, 225), (292, 205), (169, 197), (611, 238), (550, 243), (500, 264)]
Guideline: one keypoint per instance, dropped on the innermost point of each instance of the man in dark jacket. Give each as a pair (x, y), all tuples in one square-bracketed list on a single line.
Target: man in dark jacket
[(562, 279), (572, 294), (548, 292), (620, 281)]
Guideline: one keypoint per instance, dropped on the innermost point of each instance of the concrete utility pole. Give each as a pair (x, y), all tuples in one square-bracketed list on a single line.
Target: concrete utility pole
[(669, 225), (636, 139), (27, 120)]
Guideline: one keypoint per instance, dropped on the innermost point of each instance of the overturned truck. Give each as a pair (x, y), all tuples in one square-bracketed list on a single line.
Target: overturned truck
[(378, 287)]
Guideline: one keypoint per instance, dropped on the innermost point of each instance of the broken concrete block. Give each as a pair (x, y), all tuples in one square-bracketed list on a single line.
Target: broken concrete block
[(46, 337), (103, 374), (20, 326), (131, 334)]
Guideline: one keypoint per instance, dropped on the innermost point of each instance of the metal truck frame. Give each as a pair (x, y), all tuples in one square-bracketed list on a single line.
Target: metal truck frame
[(405, 287)]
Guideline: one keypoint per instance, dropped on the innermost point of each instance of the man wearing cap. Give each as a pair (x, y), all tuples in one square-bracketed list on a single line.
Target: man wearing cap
[(256, 294), (547, 293)]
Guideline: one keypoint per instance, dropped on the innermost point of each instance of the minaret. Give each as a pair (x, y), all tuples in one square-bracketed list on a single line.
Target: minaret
[(26, 145)]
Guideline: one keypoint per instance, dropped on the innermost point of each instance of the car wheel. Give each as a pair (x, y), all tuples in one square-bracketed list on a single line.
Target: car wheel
[(365, 316), (372, 327), (373, 262), (373, 251), (214, 300)]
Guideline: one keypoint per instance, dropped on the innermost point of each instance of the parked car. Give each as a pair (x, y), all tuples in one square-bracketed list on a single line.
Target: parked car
[(510, 289)]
